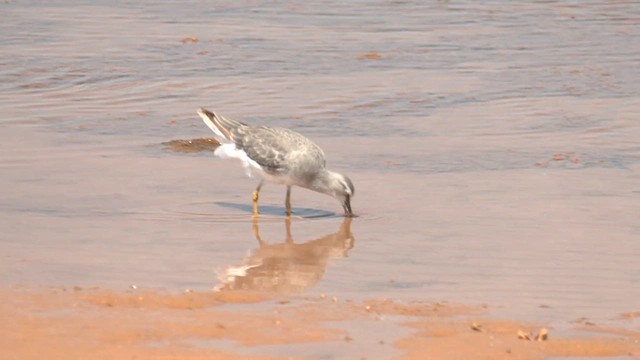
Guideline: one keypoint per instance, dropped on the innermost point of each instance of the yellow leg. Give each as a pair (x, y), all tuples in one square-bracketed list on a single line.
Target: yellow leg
[(256, 196), (287, 201)]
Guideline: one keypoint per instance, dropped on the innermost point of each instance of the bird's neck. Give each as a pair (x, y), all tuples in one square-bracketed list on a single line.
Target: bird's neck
[(323, 181)]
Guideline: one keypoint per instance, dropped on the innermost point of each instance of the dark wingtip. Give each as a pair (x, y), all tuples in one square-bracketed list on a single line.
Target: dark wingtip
[(206, 112)]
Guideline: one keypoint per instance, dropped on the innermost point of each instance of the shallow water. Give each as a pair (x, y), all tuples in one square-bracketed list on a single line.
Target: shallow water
[(494, 146)]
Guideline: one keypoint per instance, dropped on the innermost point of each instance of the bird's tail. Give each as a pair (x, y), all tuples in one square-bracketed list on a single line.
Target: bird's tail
[(222, 127)]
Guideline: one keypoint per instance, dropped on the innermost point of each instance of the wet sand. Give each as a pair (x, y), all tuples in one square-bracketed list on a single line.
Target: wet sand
[(493, 146), (76, 323)]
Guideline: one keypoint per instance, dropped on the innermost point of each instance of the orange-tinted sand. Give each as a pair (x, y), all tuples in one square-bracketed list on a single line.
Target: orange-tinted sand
[(61, 323)]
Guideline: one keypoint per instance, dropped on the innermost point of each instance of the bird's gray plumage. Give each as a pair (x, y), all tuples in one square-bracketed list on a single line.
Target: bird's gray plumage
[(285, 155), (278, 150)]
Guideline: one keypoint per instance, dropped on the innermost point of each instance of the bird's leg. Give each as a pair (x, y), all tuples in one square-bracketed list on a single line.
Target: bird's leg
[(256, 196), (287, 201)]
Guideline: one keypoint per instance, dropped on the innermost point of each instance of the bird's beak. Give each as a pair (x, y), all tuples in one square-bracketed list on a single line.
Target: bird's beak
[(346, 205)]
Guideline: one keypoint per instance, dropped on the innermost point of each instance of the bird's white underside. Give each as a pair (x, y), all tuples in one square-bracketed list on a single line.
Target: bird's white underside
[(251, 168)]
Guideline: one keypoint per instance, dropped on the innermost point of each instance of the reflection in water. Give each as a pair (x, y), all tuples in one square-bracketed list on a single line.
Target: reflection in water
[(287, 267)]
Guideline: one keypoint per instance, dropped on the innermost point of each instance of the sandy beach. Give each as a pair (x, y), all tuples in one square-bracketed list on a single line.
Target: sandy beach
[(76, 323)]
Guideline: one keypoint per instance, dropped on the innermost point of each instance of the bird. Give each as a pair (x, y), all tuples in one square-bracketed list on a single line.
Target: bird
[(278, 155)]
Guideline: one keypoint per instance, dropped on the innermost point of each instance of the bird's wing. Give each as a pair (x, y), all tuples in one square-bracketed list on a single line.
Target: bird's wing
[(269, 147), (221, 126)]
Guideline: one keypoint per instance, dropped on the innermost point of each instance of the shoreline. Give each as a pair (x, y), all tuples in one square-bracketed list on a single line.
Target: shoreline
[(102, 323)]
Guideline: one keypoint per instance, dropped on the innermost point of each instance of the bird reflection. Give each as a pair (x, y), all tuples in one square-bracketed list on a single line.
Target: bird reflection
[(286, 267)]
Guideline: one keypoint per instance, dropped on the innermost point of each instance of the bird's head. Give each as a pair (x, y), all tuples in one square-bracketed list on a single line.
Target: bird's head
[(343, 190)]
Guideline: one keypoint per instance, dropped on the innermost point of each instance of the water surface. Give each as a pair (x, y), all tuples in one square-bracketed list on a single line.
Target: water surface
[(494, 146)]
